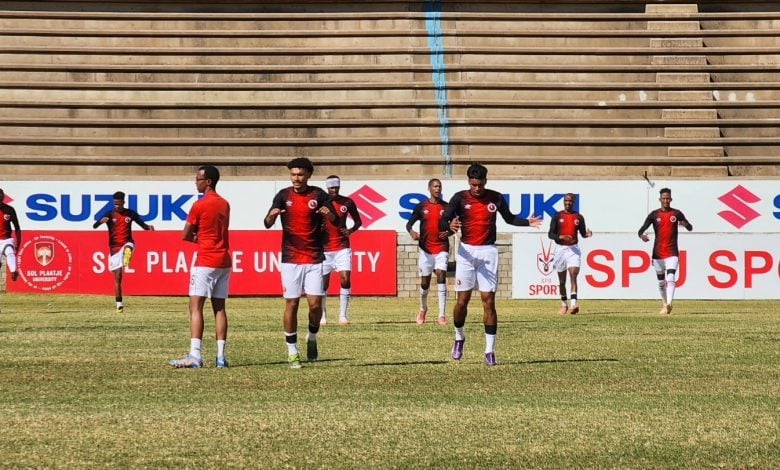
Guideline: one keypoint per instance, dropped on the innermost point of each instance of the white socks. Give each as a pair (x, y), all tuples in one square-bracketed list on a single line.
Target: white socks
[(195, 348), (423, 299), (442, 299), (344, 296)]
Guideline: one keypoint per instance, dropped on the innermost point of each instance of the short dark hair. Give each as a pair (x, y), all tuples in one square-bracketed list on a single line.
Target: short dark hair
[(476, 172), (665, 190), (210, 172), (119, 195), (301, 162), (433, 180)]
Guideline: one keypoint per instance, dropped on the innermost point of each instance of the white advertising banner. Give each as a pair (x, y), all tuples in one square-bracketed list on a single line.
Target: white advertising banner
[(717, 206), (619, 266)]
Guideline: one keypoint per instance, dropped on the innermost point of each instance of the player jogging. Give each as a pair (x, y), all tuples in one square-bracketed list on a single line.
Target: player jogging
[(666, 254)]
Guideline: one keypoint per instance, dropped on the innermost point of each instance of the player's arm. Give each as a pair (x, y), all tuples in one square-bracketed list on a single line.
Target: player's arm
[(512, 219), (353, 212), (682, 220), (137, 219), (189, 234), (102, 220), (17, 228), (584, 231), (449, 222), (412, 220), (277, 207), (552, 233), (645, 226), (326, 208)]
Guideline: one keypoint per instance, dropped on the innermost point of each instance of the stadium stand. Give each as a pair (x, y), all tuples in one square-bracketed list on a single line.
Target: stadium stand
[(390, 89)]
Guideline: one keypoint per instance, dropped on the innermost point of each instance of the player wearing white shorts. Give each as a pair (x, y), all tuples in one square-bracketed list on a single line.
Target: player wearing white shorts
[(565, 228), (119, 222), (302, 209), (208, 224), (474, 212), (338, 253), (10, 236), (434, 249), (665, 222)]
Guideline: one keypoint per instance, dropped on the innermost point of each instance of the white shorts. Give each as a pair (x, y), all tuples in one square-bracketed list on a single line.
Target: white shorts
[(428, 262), (7, 247), (301, 278), (337, 261), (209, 282), (663, 265), (115, 261), (566, 256), (476, 265)]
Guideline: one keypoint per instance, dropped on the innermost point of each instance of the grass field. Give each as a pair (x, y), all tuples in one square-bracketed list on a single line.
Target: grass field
[(618, 386)]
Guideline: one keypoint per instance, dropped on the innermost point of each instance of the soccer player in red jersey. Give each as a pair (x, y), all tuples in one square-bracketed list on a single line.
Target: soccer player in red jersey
[(665, 251), (119, 221), (338, 254), (301, 208), (564, 230), (473, 212), (208, 224), (434, 247), (9, 228)]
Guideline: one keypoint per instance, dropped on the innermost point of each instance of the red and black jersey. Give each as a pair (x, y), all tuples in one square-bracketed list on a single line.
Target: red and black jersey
[(301, 224), (120, 227), (478, 216), (567, 223), (333, 239), (429, 214), (7, 218), (665, 226)]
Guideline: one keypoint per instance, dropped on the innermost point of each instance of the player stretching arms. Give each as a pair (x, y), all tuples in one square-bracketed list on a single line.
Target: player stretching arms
[(473, 212)]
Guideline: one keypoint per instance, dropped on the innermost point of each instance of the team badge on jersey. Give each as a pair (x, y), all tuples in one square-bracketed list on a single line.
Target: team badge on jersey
[(312, 203), (491, 207), (673, 219)]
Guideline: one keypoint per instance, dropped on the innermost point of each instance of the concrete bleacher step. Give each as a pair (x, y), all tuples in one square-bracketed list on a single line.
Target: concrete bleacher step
[(350, 87)]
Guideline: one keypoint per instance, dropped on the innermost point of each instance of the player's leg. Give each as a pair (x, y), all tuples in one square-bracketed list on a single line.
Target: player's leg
[(344, 267), (440, 268), (328, 266), (292, 285), (487, 283), (465, 280), (10, 259), (490, 320), (559, 266), (574, 271), (671, 265), (425, 266), (120, 306), (344, 296), (200, 288), (312, 287), (218, 305), (660, 274)]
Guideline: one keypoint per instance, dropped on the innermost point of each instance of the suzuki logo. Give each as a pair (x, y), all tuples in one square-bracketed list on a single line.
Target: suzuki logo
[(737, 200), (366, 199)]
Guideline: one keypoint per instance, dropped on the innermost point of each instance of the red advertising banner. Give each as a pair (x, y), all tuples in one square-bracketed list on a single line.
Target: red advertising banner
[(71, 262)]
